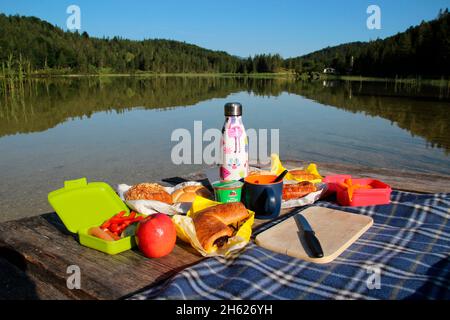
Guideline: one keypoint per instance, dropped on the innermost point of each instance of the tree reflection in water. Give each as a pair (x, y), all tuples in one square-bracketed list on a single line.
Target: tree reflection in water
[(39, 104)]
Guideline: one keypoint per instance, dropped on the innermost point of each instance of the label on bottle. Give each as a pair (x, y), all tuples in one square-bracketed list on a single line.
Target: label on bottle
[(234, 150)]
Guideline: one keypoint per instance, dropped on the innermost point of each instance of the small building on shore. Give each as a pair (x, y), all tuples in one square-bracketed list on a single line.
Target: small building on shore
[(329, 71)]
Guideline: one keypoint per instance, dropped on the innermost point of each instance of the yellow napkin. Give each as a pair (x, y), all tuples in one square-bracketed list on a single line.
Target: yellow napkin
[(186, 230), (277, 168)]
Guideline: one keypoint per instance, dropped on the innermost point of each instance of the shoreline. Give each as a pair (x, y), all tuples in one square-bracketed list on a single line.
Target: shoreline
[(441, 82)]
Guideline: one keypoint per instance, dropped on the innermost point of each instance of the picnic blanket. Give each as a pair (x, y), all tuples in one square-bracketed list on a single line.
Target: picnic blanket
[(404, 255)]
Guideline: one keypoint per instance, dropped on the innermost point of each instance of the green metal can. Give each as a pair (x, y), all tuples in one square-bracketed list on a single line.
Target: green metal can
[(228, 191)]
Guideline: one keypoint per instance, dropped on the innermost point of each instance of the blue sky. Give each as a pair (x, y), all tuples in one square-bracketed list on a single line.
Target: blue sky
[(240, 27)]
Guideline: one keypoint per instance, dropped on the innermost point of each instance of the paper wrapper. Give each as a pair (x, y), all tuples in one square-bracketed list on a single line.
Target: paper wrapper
[(186, 230), (277, 168), (151, 207), (306, 200)]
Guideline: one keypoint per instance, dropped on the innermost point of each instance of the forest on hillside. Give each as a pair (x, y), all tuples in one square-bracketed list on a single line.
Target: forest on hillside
[(31, 45), (423, 50), (38, 45)]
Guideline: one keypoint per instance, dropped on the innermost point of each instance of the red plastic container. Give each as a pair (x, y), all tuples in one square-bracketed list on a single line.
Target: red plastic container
[(332, 181), (378, 195)]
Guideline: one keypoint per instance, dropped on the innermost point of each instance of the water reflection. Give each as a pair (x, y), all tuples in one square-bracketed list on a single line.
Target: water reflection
[(115, 136), (37, 105)]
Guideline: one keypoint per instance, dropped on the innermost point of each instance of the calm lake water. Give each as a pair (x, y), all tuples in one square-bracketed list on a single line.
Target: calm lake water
[(118, 129)]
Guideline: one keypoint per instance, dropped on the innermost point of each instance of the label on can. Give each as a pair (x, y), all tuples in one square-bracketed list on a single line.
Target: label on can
[(227, 191)]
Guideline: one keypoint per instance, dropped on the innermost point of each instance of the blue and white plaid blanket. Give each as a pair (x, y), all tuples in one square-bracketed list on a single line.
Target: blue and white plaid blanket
[(404, 255)]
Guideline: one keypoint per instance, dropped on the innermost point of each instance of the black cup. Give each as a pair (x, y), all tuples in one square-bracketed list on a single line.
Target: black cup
[(262, 196)]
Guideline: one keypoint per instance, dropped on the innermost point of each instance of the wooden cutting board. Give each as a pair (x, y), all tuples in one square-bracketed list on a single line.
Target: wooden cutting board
[(335, 229)]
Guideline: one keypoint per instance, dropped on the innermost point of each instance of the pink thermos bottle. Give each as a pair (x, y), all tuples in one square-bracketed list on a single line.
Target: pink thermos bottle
[(234, 144)]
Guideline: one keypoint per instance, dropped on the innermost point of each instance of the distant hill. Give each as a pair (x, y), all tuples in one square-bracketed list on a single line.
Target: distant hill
[(423, 50), (34, 45), (47, 46)]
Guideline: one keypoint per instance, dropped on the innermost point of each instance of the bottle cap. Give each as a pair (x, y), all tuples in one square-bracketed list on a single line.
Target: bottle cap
[(233, 109)]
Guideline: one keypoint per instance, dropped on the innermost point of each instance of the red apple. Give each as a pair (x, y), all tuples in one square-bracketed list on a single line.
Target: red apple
[(156, 235)]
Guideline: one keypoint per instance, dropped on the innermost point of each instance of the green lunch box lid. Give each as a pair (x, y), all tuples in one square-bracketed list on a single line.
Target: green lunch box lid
[(81, 204)]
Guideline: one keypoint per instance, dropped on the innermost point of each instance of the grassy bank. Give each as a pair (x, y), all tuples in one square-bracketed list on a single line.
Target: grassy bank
[(412, 81), (155, 74), (17, 70)]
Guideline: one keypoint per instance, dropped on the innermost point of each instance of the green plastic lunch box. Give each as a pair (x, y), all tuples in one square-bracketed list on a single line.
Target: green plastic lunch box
[(82, 205)]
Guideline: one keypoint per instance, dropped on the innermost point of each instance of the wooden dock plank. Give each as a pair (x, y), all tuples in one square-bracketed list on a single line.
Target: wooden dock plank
[(48, 251), (39, 249), (16, 284)]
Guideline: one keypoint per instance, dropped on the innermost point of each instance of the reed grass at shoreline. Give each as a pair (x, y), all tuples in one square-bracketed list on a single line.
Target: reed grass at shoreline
[(19, 70)]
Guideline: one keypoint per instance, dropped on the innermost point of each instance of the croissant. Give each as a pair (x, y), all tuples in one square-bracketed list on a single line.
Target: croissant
[(212, 224), (298, 190)]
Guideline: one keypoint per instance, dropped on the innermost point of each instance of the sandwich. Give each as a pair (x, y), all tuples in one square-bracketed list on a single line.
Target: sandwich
[(148, 191), (188, 194), (215, 225), (298, 190), (302, 175)]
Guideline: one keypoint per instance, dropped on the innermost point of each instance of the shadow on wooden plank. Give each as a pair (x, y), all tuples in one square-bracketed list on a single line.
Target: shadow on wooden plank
[(54, 220), (14, 281)]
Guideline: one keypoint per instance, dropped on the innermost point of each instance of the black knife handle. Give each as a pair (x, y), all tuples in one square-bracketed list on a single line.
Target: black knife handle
[(313, 244)]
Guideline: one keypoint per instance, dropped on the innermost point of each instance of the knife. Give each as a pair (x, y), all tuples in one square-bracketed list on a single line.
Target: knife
[(310, 236)]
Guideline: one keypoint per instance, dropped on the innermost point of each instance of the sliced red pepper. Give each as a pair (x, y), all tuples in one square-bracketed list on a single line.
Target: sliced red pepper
[(137, 219), (126, 223), (120, 214), (106, 224), (114, 227), (119, 220)]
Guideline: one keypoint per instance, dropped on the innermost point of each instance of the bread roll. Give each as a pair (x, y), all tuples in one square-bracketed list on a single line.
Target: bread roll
[(212, 225), (298, 190), (148, 191), (188, 193), (302, 175)]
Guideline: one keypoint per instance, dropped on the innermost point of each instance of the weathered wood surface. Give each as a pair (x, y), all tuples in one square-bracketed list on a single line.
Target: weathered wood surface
[(35, 252), (47, 250), (17, 283)]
